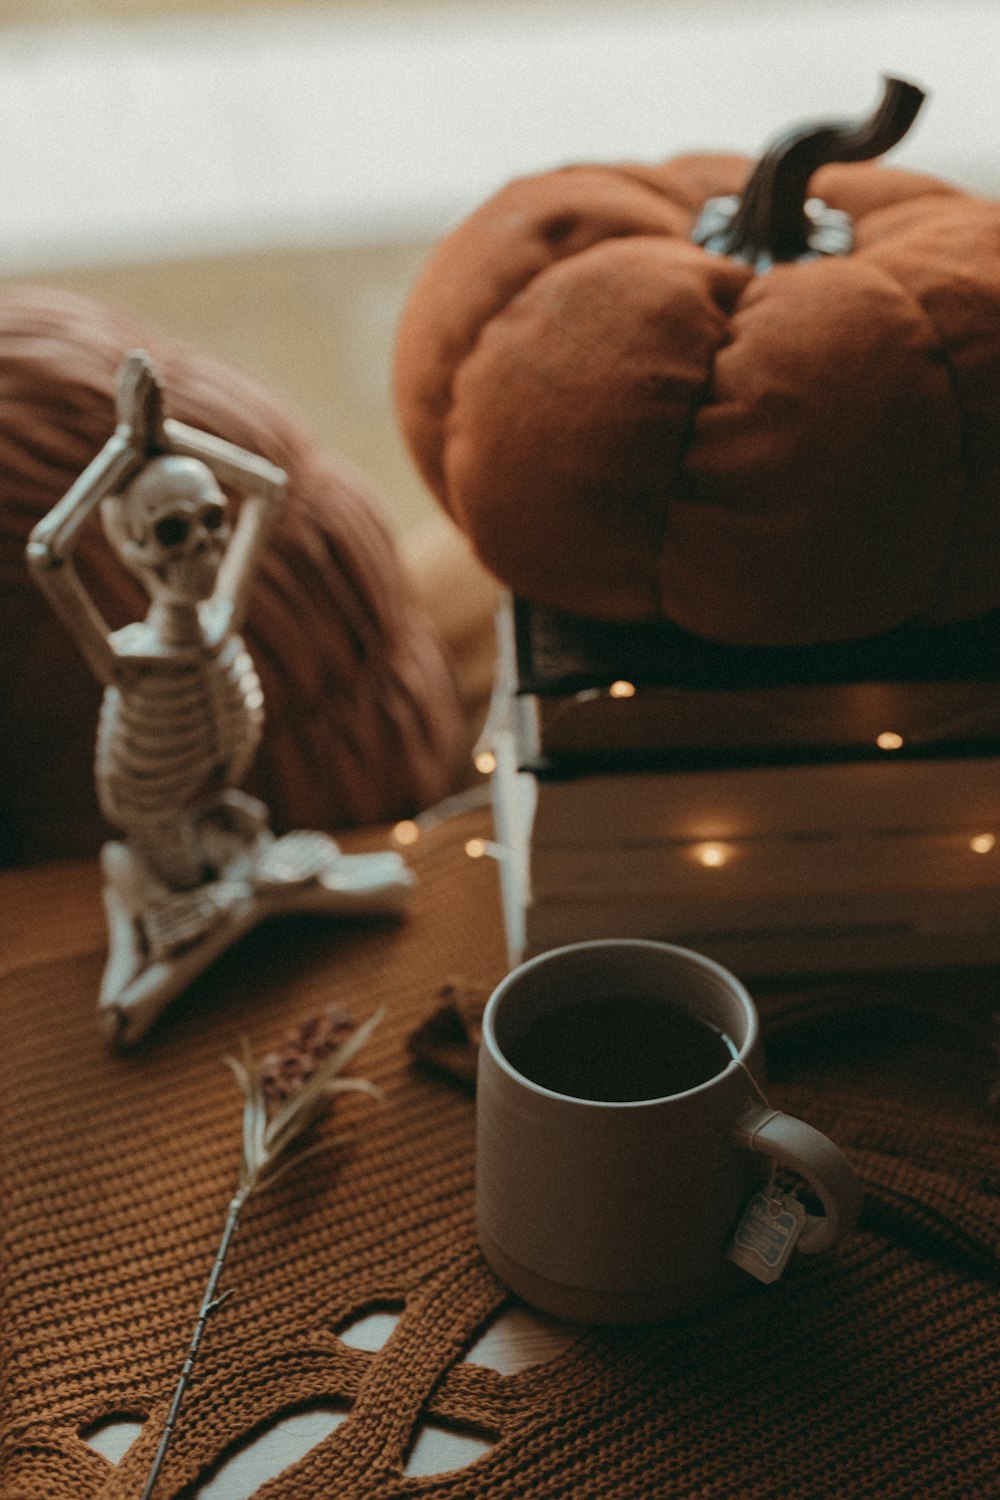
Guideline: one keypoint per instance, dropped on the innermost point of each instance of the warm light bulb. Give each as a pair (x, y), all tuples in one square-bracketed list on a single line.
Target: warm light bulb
[(485, 761), (889, 740), (475, 848), (983, 843), (712, 855), (406, 832), (622, 689)]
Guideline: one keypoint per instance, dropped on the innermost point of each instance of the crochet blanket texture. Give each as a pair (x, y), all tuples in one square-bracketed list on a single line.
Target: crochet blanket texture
[(871, 1372)]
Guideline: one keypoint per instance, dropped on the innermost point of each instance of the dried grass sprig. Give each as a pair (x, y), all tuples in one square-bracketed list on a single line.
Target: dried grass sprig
[(276, 1116), (266, 1140)]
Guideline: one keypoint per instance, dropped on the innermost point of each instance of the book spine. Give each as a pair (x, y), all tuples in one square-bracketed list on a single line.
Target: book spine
[(964, 935), (842, 798), (836, 721), (773, 868)]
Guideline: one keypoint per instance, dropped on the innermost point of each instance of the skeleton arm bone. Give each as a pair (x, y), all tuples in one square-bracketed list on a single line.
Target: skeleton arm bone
[(230, 464), (53, 541), (262, 483)]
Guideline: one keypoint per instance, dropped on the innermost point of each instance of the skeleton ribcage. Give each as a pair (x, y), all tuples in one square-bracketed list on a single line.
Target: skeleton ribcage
[(176, 729)]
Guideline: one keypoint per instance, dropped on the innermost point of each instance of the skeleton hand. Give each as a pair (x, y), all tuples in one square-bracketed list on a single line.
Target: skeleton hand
[(139, 404)]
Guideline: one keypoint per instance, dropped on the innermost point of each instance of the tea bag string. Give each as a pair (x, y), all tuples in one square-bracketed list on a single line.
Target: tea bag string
[(761, 1096)]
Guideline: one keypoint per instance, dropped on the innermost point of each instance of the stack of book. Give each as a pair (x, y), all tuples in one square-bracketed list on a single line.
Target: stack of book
[(785, 810)]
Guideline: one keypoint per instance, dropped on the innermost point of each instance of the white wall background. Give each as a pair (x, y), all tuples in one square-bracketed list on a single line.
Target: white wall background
[(313, 127)]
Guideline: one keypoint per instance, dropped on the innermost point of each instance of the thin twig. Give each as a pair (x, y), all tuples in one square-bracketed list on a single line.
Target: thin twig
[(209, 1303), (264, 1160)]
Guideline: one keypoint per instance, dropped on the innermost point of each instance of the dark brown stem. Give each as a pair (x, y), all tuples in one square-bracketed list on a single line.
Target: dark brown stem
[(770, 223), (209, 1303)]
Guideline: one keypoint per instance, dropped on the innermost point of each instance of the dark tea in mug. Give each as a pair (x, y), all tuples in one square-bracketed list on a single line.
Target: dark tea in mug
[(618, 1049)]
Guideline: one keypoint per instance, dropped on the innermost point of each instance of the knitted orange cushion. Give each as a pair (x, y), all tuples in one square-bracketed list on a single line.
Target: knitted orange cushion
[(362, 719)]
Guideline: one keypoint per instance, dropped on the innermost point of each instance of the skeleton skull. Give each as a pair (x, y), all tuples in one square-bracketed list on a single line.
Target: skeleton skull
[(170, 527)]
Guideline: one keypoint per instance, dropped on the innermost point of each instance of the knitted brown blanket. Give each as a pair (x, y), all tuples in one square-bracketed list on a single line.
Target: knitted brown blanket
[(869, 1373)]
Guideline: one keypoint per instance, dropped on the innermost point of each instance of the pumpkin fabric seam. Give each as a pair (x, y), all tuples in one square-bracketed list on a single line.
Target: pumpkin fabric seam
[(683, 448), (941, 350), (610, 169), (633, 173), (474, 343)]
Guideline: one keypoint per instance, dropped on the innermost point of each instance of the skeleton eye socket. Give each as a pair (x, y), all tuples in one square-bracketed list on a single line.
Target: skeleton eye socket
[(170, 531), (212, 517)]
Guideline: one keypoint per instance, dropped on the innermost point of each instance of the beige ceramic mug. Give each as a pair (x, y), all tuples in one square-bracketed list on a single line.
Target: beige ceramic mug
[(621, 1208)]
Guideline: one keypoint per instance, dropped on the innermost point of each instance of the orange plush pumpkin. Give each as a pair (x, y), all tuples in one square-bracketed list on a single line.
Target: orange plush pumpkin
[(764, 444)]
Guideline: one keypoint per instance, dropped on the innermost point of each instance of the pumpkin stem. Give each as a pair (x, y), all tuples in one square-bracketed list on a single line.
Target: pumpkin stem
[(773, 221)]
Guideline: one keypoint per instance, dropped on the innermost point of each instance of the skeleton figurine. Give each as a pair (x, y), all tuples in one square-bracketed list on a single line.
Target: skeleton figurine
[(182, 711)]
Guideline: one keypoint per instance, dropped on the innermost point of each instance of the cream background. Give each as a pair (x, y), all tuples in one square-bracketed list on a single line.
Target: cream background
[(266, 181)]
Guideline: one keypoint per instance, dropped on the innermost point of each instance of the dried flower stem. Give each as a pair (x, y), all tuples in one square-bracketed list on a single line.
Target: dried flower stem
[(209, 1303), (265, 1142)]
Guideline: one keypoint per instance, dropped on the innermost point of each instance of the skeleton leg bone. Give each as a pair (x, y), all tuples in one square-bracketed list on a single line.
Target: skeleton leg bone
[(160, 940)]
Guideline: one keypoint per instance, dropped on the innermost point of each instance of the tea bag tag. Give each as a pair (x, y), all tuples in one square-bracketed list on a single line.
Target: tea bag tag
[(766, 1234)]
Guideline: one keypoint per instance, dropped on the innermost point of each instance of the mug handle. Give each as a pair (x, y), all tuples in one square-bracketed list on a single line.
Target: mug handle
[(792, 1143)]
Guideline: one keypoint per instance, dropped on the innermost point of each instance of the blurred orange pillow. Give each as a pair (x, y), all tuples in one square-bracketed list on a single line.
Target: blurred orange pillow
[(362, 720)]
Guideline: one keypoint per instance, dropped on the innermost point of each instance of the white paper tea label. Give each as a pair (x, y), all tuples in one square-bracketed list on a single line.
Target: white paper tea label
[(765, 1236)]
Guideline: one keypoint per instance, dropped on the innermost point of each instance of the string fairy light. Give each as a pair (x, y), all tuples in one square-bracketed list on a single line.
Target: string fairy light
[(480, 848), (409, 830), (712, 855)]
